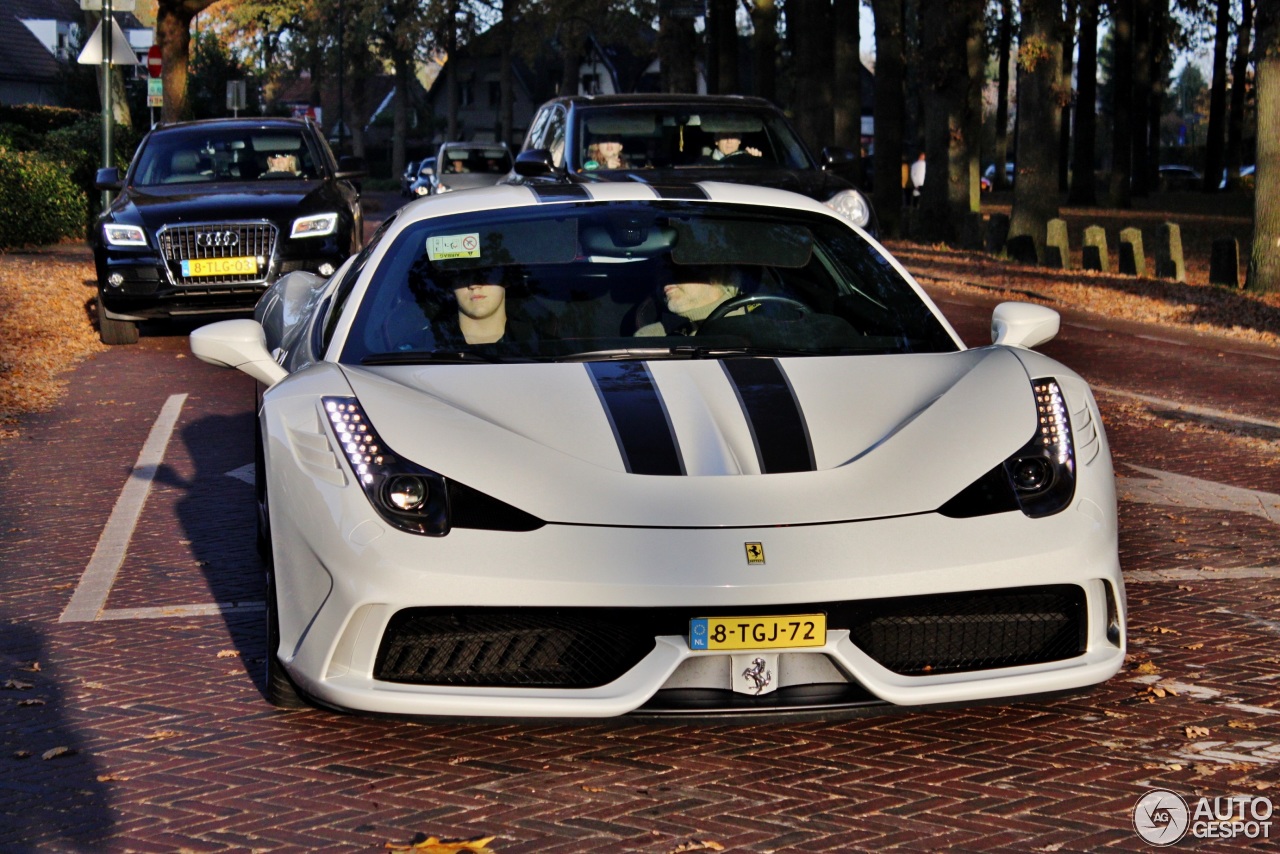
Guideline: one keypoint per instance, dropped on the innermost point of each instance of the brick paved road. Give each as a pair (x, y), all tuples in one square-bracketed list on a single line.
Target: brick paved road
[(169, 745)]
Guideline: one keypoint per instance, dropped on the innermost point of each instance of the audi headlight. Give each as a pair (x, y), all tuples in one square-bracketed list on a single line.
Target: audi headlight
[(852, 206), (409, 496), (124, 235), (422, 190), (1040, 479), (319, 225)]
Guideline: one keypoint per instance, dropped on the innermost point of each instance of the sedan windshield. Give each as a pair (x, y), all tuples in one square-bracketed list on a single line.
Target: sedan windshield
[(623, 281)]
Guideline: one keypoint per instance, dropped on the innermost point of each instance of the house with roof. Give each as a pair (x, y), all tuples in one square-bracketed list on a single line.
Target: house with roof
[(42, 38)]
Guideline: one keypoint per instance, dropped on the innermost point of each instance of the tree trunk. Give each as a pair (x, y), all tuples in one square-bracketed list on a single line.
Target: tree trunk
[(1215, 149), (722, 65), (1068, 69), (1084, 190), (677, 49), (1004, 41), (451, 73), (400, 112), (173, 34), (1120, 193), (1040, 97), (809, 30), (506, 112), (950, 176), (764, 48), (1144, 159), (889, 164), (1240, 69), (1264, 261), (847, 94)]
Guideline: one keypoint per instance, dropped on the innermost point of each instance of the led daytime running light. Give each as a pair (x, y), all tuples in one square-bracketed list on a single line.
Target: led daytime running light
[(1055, 428), (357, 438)]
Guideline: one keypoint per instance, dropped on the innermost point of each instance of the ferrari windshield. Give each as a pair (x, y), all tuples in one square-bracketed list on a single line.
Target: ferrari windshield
[(635, 280)]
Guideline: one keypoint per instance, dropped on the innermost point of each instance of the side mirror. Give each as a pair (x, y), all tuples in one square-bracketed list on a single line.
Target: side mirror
[(351, 167), (108, 179), (239, 344), (1023, 324), (534, 163), (835, 156)]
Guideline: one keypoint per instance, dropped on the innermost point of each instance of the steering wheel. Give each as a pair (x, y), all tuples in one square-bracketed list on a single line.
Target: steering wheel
[(743, 300)]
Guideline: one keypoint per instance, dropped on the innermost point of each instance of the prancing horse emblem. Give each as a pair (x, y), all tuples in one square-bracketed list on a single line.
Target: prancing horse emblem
[(755, 553), (757, 675)]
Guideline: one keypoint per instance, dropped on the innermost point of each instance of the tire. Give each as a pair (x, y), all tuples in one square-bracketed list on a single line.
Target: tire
[(279, 688), (112, 331)]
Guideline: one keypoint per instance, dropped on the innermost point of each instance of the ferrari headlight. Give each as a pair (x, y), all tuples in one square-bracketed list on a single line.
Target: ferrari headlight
[(124, 235), (411, 497), (443, 188), (1040, 479), (319, 225), (852, 206)]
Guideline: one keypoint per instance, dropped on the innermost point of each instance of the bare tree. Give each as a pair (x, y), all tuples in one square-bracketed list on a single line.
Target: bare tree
[(764, 47), (1215, 151), (847, 91), (1004, 47), (810, 38), (1264, 262), (1120, 193), (1239, 71), (1041, 95)]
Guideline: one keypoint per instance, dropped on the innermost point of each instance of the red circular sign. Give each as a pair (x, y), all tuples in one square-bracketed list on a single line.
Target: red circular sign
[(153, 60)]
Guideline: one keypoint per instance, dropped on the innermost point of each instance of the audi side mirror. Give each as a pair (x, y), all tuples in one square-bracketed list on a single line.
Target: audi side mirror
[(534, 163), (108, 179)]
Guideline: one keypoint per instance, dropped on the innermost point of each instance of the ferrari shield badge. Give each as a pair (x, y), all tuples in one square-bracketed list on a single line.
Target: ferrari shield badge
[(755, 553)]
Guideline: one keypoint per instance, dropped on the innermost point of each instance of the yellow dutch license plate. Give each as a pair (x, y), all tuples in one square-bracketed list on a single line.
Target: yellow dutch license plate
[(757, 632), (243, 266)]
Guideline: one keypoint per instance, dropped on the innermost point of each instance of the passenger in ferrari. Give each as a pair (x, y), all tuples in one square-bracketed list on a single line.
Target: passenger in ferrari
[(482, 316)]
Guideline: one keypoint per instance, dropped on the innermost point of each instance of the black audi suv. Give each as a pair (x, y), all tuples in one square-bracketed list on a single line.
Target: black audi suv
[(211, 212)]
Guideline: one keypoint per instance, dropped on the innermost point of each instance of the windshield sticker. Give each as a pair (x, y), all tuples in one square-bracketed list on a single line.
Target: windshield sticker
[(448, 246)]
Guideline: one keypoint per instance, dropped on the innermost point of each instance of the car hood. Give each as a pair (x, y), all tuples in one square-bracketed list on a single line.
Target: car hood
[(853, 437), (279, 201), (814, 183)]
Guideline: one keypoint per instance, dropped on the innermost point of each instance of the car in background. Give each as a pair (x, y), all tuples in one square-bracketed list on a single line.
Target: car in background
[(424, 178), (468, 165), (1177, 177), (210, 213), (407, 177), (988, 179), (679, 139), (720, 454)]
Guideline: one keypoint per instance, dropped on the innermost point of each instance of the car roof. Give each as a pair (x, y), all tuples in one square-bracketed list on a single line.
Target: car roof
[(655, 99), (506, 196), (246, 124)]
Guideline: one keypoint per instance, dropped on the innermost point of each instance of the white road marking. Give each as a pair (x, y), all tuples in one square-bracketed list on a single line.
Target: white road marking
[(245, 473), (1204, 573), (1179, 490), (95, 582), (1203, 411), (168, 611)]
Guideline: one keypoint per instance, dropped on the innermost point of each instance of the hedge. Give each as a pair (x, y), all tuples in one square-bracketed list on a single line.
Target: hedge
[(42, 202)]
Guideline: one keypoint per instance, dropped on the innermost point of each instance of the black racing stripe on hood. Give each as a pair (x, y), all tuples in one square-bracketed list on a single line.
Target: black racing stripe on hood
[(559, 192), (680, 191), (638, 417), (773, 413)]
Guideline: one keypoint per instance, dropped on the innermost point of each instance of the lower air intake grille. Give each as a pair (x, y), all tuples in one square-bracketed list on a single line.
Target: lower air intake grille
[(957, 632), (492, 648)]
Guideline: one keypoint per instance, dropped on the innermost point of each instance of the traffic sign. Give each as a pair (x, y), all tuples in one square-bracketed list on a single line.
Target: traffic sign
[(121, 51), (153, 61)]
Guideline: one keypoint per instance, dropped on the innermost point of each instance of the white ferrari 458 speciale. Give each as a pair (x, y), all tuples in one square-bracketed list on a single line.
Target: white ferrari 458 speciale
[(583, 451)]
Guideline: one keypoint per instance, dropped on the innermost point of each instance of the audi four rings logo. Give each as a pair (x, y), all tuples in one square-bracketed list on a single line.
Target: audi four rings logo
[(211, 239)]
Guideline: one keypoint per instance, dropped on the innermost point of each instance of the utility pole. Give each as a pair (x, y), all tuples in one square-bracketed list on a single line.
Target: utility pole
[(108, 111)]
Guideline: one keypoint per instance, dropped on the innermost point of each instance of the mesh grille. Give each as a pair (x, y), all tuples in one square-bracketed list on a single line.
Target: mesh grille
[(588, 647), (180, 243), (541, 649), (953, 633)]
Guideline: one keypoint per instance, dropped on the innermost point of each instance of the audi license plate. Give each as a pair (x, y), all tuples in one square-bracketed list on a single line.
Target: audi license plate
[(758, 632), (243, 266)]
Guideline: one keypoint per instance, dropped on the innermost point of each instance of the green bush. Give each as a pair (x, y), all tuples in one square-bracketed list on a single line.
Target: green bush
[(44, 202)]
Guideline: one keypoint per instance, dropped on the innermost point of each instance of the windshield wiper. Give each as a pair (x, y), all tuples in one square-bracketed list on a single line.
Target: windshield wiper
[(432, 357), (681, 351)]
